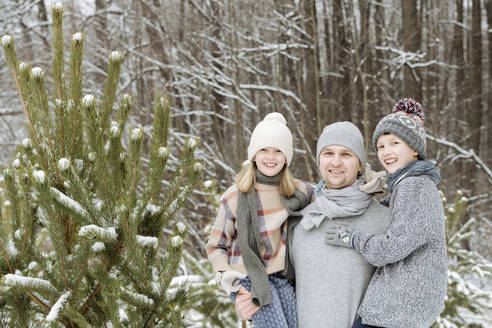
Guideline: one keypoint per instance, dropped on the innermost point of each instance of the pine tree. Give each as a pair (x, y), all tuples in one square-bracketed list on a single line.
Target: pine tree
[(465, 268), (208, 304), (102, 206)]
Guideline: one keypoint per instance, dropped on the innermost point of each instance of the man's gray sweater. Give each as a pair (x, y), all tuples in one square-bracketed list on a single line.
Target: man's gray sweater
[(331, 280), (408, 288)]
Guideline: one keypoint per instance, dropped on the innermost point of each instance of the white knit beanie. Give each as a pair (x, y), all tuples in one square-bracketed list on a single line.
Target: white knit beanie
[(271, 132)]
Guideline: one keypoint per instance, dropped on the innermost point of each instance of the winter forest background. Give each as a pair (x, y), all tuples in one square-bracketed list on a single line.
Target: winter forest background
[(226, 64)]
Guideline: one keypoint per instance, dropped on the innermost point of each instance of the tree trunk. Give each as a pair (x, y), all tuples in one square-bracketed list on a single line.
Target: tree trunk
[(311, 89), (365, 69), (430, 74), (411, 43), (219, 128), (461, 78), (43, 17), (156, 34), (182, 15), (342, 96), (379, 72), (488, 120), (475, 116), (101, 31), (238, 119), (328, 83)]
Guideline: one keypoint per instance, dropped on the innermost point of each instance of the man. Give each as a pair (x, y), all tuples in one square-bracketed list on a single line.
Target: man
[(330, 281)]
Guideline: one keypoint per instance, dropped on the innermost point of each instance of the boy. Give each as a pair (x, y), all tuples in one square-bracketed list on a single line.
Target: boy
[(409, 286)]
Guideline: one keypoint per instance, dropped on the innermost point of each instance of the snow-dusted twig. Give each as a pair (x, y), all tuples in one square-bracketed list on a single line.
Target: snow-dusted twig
[(464, 154), (284, 92)]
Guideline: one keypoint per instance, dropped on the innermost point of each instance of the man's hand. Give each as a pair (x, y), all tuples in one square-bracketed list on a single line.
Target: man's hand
[(339, 234), (244, 306)]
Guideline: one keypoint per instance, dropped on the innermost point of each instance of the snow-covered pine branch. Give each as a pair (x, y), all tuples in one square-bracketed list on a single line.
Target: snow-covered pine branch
[(147, 241), (136, 298), (57, 307), (462, 231), (15, 280), (70, 203), (102, 234)]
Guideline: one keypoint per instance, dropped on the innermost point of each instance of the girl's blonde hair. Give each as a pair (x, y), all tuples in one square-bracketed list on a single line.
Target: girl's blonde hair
[(247, 178)]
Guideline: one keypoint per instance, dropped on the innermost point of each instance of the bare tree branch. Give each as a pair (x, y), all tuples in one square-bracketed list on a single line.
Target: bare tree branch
[(464, 154)]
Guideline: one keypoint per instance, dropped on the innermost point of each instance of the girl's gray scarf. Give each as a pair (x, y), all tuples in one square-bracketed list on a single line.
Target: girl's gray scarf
[(413, 169), (248, 229), (335, 203)]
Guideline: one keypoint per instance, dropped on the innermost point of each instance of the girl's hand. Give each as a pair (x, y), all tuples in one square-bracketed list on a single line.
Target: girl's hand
[(244, 306)]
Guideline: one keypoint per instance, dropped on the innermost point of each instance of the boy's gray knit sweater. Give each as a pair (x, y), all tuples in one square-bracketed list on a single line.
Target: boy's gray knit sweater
[(408, 288)]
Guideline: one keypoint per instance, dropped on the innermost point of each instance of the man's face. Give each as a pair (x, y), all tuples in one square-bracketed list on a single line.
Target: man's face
[(338, 166)]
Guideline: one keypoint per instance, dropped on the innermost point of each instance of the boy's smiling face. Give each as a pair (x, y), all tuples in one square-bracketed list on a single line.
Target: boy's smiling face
[(394, 153)]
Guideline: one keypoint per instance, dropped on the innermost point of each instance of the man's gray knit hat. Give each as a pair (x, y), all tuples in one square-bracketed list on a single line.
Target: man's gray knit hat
[(342, 134), (406, 121)]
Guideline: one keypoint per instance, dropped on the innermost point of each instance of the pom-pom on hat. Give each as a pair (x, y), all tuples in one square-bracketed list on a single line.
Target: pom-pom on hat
[(406, 121), (271, 132)]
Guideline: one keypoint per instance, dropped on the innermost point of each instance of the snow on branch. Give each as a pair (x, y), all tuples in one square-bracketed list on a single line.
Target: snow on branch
[(275, 47), (70, 203), (98, 247), (147, 241), (137, 299), (15, 280), (57, 307), (184, 281), (464, 154), (287, 93), (93, 231), (412, 59), (11, 249), (205, 113)]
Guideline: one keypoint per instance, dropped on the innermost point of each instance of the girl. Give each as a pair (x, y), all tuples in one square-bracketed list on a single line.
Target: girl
[(247, 245)]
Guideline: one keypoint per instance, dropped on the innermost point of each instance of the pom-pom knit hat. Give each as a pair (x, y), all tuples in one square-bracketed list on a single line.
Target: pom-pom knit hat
[(406, 121), (342, 134), (271, 132)]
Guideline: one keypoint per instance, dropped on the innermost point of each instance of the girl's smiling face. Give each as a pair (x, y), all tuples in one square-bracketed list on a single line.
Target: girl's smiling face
[(270, 161)]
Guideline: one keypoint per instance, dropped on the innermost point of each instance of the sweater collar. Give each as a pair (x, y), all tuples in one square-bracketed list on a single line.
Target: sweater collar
[(413, 169)]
